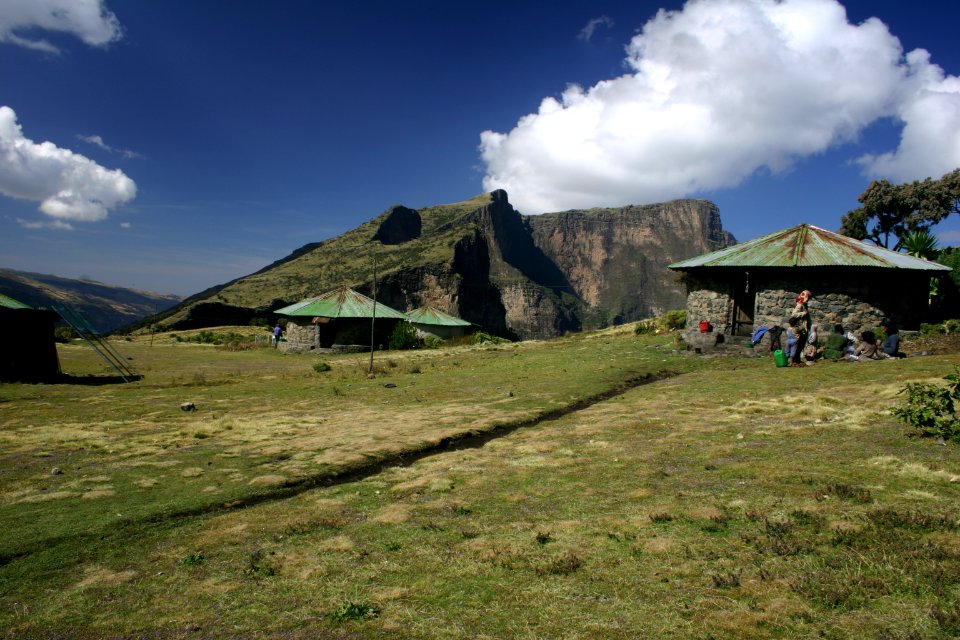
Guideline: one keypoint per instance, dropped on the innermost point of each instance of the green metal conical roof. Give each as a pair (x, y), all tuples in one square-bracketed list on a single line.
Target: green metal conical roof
[(432, 315), (9, 303), (342, 302), (807, 246)]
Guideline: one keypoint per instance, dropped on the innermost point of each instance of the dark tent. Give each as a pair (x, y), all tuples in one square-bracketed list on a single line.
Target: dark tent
[(29, 353)]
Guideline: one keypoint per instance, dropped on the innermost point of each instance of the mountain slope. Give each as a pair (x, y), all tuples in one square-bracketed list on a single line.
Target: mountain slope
[(105, 307), (514, 275)]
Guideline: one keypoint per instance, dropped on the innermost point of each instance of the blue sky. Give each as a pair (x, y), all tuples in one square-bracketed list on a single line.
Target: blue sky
[(174, 145)]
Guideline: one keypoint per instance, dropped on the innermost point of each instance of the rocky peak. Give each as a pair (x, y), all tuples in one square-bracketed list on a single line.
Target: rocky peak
[(399, 225)]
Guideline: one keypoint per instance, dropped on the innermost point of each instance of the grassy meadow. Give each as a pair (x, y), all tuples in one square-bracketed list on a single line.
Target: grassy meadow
[(602, 485)]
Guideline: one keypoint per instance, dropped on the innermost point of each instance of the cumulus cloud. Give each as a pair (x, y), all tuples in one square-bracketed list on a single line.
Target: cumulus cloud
[(716, 92), (67, 185), (930, 112), (586, 34), (88, 20)]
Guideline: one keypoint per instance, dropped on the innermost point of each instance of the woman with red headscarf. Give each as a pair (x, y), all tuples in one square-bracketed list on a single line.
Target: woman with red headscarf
[(802, 314)]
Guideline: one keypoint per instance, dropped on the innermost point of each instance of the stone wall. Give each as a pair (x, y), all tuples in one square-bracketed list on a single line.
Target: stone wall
[(826, 310), (859, 299), (713, 306), (299, 339)]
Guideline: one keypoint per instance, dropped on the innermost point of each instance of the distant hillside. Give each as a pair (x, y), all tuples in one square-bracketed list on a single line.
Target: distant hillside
[(513, 275), (105, 307)]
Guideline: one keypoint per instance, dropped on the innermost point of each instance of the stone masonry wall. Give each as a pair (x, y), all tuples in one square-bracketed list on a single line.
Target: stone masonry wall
[(859, 299), (299, 339), (712, 306), (826, 310)]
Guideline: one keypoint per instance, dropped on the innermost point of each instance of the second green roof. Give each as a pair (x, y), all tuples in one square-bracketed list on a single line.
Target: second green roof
[(432, 315), (340, 303)]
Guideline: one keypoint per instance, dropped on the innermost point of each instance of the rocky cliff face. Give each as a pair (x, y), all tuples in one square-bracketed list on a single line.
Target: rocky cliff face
[(615, 259), (539, 276), (512, 275)]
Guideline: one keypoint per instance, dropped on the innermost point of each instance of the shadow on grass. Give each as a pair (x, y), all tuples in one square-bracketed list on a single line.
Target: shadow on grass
[(349, 473), (93, 381)]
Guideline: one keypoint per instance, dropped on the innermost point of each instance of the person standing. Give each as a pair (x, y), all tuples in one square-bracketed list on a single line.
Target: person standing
[(802, 314), (277, 331)]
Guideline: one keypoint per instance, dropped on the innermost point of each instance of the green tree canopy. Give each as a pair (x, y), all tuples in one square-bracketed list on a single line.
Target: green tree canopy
[(893, 211)]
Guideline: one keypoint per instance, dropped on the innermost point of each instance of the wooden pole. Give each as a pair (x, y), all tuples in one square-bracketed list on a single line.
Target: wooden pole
[(373, 316)]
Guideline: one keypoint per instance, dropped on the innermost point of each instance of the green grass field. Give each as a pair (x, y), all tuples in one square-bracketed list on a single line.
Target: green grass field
[(597, 486)]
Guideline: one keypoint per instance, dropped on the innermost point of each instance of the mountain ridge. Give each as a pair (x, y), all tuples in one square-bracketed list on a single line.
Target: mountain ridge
[(105, 306), (514, 275)]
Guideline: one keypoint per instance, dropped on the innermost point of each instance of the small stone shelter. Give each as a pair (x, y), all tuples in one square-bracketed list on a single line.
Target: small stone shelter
[(337, 319), (29, 353), (430, 321), (755, 283)]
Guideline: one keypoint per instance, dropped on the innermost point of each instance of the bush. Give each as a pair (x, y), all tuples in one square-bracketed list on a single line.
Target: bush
[(432, 342), (674, 320), (649, 325), (320, 367), (485, 338), (931, 409), (927, 329), (403, 337)]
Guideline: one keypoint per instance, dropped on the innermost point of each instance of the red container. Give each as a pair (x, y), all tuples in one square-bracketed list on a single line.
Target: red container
[(705, 326)]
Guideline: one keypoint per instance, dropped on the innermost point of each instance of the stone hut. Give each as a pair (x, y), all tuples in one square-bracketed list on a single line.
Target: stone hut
[(853, 283), (337, 319), (30, 352), (430, 321)]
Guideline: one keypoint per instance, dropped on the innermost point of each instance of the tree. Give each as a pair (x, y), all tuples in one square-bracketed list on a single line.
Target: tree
[(920, 243), (893, 211)]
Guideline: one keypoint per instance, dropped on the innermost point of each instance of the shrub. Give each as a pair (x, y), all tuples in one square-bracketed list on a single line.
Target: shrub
[(432, 342), (646, 326), (951, 326), (354, 611), (674, 320), (931, 409), (320, 367), (927, 329), (403, 336), (64, 334), (485, 338)]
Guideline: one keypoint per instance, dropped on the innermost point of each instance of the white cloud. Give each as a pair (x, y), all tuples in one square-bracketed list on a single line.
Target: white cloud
[(67, 185), (718, 91), (586, 34), (98, 142), (40, 224), (88, 20), (124, 225), (930, 112)]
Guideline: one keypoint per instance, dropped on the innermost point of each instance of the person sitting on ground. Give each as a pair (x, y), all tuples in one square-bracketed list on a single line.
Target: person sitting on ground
[(866, 348), (891, 345), (836, 344)]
